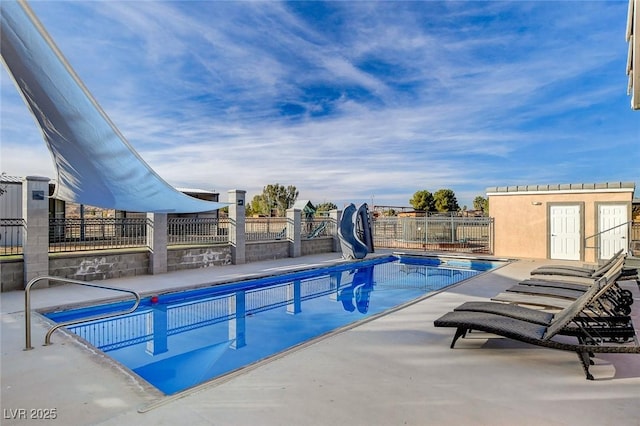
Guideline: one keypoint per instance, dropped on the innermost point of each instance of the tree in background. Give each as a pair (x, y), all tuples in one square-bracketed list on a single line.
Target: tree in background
[(445, 201), (390, 212), (275, 199), (248, 209), (481, 203), (422, 200), (258, 207), (325, 207)]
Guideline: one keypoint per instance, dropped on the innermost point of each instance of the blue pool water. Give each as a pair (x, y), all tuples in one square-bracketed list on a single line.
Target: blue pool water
[(189, 337)]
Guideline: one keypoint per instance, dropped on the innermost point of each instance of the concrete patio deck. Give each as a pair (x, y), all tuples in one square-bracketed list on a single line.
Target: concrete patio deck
[(396, 369)]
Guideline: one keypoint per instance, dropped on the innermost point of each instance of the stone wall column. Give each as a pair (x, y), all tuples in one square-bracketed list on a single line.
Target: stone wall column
[(294, 228), (157, 240), (35, 242), (336, 216), (237, 237)]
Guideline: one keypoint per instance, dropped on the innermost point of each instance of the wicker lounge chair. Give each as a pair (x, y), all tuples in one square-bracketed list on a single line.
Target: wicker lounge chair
[(542, 302), (568, 285), (575, 271), (591, 321), (559, 295), (528, 332), (587, 321), (538, 334), (617, 298), (562, 292)]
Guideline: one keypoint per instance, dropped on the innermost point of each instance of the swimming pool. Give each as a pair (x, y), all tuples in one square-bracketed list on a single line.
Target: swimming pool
[(178, 340)]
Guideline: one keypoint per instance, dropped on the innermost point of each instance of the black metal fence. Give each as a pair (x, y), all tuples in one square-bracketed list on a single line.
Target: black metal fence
[(67, 234), (635, 231), (450, 233), (265, 228), (635, 238), (197, 231), (11, 234), (466, 234)]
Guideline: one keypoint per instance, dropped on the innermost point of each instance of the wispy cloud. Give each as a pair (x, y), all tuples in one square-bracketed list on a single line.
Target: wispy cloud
[(351, 100)]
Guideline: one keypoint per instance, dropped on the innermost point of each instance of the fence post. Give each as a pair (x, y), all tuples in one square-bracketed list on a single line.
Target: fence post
[(336, 216), (237, 236), (294, 228), (35, 243), (426, 230), (453, 229), (157, 241)]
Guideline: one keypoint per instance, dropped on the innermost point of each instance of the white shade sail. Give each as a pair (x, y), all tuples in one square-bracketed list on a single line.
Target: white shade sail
[(633, 60), (95, 165)]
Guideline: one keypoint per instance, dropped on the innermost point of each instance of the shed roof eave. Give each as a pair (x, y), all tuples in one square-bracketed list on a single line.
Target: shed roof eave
[(574, 191), (562, 188)]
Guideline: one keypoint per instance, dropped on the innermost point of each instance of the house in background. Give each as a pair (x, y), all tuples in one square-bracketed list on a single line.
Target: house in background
[(584, 222), (11, 198)]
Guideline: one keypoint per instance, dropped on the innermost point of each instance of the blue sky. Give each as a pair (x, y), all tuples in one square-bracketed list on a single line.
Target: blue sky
[(350, 101)]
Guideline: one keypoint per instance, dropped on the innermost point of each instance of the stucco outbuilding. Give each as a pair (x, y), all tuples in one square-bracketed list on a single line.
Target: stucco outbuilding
[(585, 222)]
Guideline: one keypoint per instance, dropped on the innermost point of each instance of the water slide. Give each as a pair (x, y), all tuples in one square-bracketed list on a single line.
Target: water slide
[(356, 237), (95, 165)]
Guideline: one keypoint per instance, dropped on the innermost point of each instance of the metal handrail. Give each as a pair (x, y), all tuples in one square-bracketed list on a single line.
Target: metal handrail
[(602, 232), (47, 340)]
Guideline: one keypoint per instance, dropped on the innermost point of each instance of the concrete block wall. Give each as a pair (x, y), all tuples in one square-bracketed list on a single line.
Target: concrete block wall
[(317, 245), (256, 251), (12, 275), (198, 257), (99, 266)]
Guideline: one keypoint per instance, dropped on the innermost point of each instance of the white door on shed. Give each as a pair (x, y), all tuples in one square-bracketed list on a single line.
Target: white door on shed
[(566, 233), (612, 223)]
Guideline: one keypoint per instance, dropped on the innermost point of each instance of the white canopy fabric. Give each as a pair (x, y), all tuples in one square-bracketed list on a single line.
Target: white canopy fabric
[(95, 165), (633, 60)]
